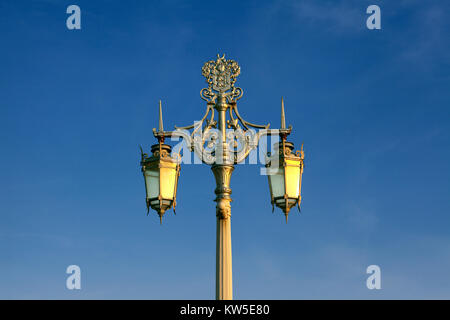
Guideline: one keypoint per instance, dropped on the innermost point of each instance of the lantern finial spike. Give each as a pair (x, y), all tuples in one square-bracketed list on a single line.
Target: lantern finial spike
[(283, 118), (160, 219), (161, 128), (286, 215)]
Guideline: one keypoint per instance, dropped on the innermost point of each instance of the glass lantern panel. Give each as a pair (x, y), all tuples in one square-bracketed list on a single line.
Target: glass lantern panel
[(276, 180), (152, 182), (168, 175), (292, 178)]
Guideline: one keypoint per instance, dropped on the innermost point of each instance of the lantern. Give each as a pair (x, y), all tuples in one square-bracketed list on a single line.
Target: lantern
[(161, 172), (284, 171)]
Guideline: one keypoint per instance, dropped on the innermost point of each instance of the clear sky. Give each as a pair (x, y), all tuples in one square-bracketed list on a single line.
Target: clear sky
[(372, 107)]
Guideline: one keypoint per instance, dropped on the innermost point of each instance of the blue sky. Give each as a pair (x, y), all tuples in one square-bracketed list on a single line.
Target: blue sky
[(372, 107)]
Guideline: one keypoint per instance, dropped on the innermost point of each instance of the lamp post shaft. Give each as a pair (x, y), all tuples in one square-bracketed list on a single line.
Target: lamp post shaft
[(222, 170), (224, 278)]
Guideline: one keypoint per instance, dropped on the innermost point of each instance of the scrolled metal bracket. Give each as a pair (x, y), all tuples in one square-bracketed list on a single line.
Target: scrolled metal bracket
[(221, 75)]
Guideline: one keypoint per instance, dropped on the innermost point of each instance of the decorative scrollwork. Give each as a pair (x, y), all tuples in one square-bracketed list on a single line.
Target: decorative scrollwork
[(205, 138), (235, 94), (245, 123), (221, 76)]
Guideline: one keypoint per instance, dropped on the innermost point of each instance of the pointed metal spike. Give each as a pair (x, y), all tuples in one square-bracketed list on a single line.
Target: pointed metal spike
[(161, 128), (142, 153), (283, 117), (160, 219), (286, 215)]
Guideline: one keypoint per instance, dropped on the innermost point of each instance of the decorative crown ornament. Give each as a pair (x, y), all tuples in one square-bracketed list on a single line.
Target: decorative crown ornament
[(221, 75)]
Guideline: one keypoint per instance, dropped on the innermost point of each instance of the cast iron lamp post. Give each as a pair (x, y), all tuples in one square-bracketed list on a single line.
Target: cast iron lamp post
[(222, 149)]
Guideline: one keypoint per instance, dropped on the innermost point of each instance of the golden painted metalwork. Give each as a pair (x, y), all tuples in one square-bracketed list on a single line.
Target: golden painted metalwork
[(284, 171), (222, 149), (161, 172), (221, 75)]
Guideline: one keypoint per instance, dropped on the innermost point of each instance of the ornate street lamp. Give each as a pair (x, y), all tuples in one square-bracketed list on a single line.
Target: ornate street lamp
[(222, 149)]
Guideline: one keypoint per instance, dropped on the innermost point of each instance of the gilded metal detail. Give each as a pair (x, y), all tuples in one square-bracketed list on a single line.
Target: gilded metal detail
[(222, 174), (220, 76)]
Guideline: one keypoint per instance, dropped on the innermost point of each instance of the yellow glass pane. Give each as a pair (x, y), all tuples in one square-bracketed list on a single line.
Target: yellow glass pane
[(293, 178), (167, 180)]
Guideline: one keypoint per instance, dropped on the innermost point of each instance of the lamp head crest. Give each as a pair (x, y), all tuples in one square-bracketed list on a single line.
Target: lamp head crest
[(221, 76)]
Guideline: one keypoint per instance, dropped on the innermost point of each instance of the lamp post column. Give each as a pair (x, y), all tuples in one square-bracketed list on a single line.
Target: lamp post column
[(224, 278), (222, 170)]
